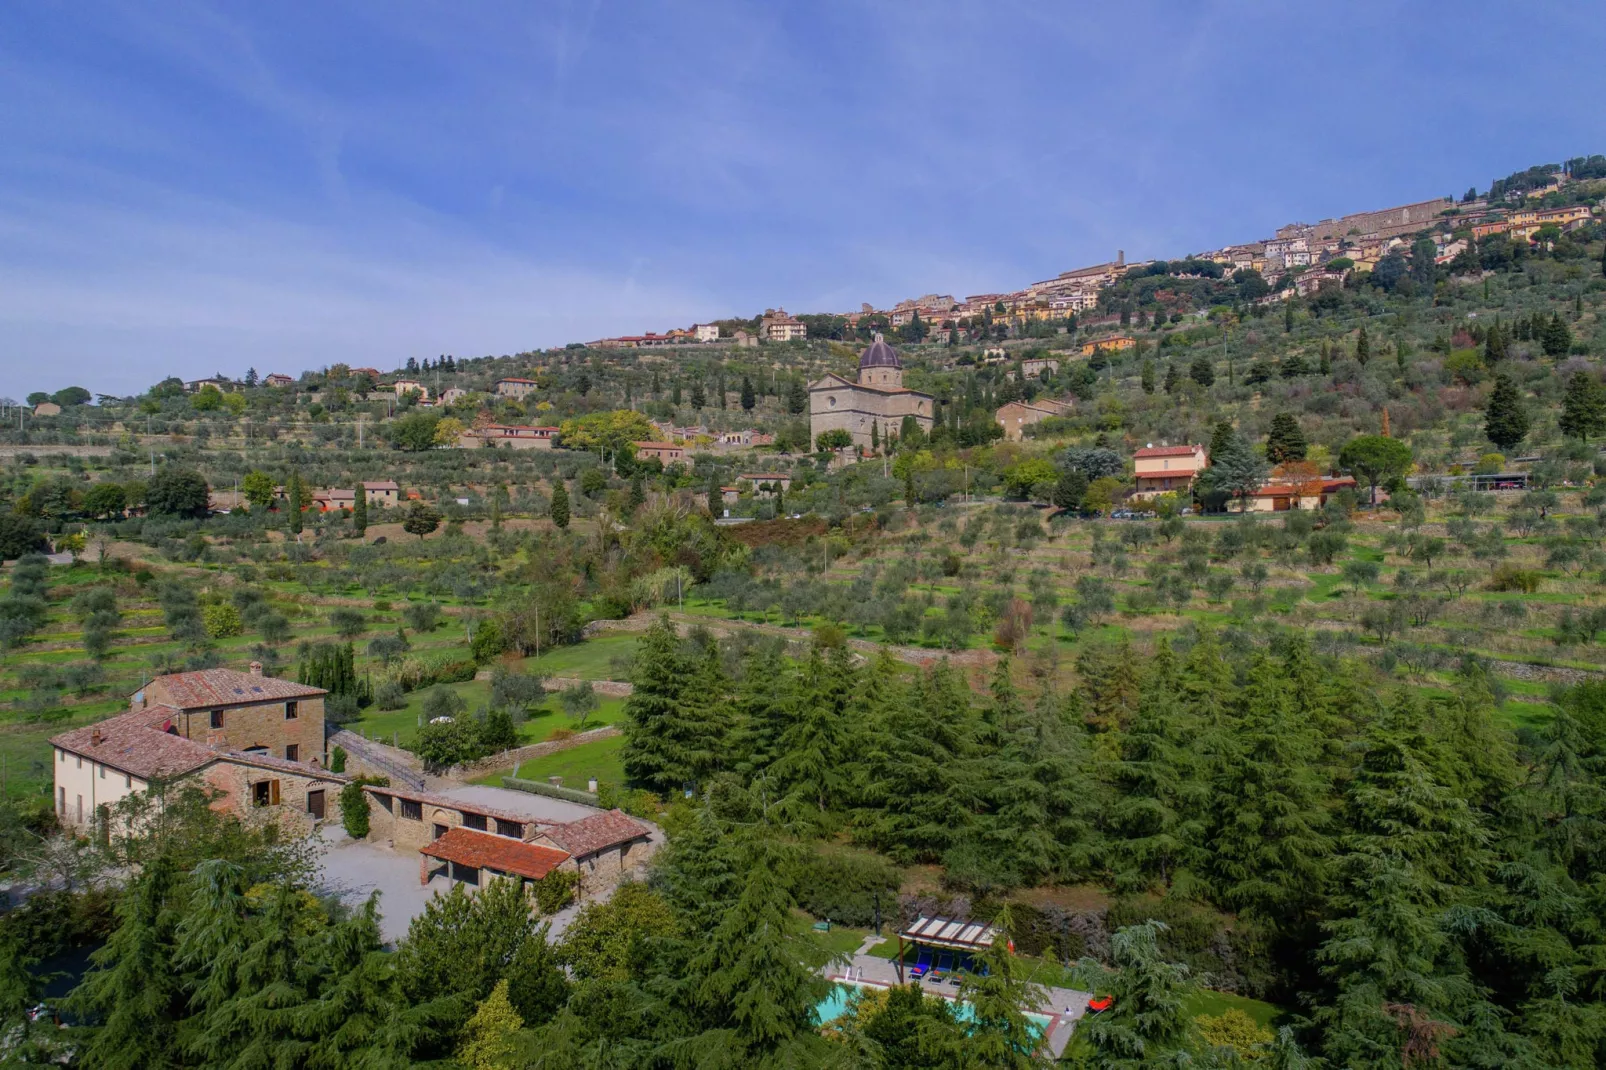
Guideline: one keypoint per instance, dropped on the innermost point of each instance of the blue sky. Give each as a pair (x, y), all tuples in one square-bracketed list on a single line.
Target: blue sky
[(190, 187)]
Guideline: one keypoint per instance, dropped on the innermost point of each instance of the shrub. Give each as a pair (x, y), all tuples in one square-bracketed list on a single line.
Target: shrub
[(1512, 578), (337, 760), (390, 695), (222, 621), (354, 810), (1236, 1030), (556, 890)]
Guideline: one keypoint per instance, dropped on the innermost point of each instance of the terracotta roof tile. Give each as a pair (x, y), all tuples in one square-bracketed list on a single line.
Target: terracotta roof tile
[(1167, 451), (138, 743), (482, 850), (429, 798), (224, 687), (597, 833)]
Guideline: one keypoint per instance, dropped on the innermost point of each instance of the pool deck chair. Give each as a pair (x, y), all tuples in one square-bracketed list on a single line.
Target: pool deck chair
[(943, 940)]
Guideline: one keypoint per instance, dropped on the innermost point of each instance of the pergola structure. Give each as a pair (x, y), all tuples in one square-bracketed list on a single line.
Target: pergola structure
[(951, 934)]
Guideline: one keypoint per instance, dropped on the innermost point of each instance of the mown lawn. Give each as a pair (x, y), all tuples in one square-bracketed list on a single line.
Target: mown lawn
[(599, 758)]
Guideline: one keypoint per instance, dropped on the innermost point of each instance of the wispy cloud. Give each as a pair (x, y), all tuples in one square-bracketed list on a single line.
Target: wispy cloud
[(194, 186)]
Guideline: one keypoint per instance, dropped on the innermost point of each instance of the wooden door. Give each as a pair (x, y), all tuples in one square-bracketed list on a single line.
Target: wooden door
[(315, 803)]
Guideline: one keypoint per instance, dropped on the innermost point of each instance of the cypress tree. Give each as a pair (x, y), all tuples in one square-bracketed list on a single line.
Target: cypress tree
[(296, 496), (559, 509), (1172, 379), (716, 497), (1556, 337), (1285, 441), (1583, 407), (1505, 420), (1327, 359), (748, 399), (638, 493), (1363, 347), (1201, 371), (359, 509), (698, 397), (1148, 376), (1288, 317), (1494, 344)]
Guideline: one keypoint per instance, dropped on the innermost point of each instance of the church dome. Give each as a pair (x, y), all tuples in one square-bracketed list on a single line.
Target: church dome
[(879, 355)]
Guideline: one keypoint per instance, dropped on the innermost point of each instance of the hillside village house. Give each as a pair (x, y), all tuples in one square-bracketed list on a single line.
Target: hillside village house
[(777, 326), (1167, 469), (277, 379), (775, 481), (254, 740), (327, 501), (666, 452), (1281, 494), (1109, 345), (452, 395), (411, 386), (878, 398), (706, 332), (514, 387), (509, 436), (382, 492), (1033, 367), (472, 843), (1015, 417)]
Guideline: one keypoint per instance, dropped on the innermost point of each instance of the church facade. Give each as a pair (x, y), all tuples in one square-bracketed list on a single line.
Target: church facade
[(878, 399)]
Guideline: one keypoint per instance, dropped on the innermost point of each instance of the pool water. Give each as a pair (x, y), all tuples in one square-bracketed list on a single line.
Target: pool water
[(835, 1006)]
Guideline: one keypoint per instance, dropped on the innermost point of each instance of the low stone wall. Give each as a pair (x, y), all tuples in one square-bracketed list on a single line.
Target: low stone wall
[(534, 750), (608, 688)]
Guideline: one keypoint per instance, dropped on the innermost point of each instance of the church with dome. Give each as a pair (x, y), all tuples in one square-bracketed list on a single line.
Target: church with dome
[(879, 399)]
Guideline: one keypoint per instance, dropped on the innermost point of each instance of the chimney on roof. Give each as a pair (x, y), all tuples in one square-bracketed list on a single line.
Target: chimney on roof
[(256, 668), (94, 736)]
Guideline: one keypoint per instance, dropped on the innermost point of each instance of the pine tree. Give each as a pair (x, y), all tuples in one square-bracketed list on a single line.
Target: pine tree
[(1556, 338), (1505, 420), (1201, 371), (359, 509), (488, 1036), (1583, 407), (810, 765), (676, 719), (559, 509), (1409, 842), (131, 990), (797, 397), (699, 397), (748, 399), (1269, 843), (1286, 441), (1156, 816), (1148, 1020), (750, 984), (999, 995)]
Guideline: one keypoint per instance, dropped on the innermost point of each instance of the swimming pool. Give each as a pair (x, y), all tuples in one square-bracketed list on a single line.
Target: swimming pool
[(835, 1006)]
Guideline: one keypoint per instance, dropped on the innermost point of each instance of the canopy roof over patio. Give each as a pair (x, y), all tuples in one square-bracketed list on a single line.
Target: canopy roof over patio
[(959, 934)]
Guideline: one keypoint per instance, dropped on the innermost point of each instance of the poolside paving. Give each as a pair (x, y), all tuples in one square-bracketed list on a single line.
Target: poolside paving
[(1065, 1006)]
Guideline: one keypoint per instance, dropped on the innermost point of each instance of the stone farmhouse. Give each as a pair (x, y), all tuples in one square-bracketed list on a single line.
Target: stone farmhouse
[(255, 741), (1167, 469), (471, 843)]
